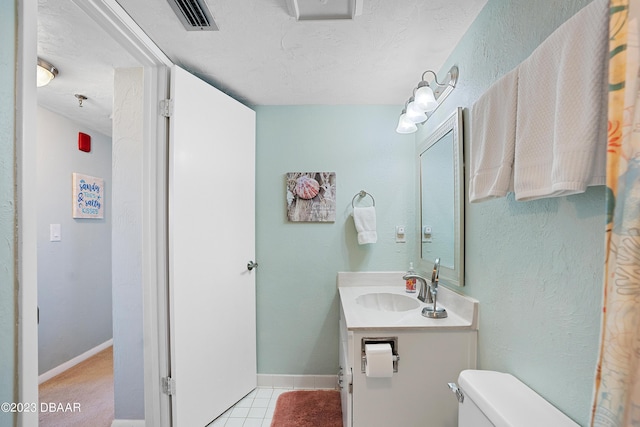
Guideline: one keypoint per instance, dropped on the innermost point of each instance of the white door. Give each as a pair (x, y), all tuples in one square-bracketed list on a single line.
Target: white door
[(211, 240)]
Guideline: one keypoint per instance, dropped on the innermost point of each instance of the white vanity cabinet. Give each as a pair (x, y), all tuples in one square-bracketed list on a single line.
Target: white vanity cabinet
[(432, 353), (345, 374)]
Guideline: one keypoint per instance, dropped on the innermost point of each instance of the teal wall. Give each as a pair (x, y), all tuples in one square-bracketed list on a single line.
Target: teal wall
[(536, 267), (297, 302), (7, 207)]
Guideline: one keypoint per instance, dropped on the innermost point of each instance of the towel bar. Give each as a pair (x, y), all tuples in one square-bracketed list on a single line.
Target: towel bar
[(362, 194)]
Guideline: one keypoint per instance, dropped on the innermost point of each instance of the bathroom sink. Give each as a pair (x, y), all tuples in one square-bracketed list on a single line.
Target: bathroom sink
[(387, 302)]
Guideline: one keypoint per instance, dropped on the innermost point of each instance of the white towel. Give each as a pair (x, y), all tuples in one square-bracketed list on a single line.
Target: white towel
[(493, 137), (365, 221), (561, 134)]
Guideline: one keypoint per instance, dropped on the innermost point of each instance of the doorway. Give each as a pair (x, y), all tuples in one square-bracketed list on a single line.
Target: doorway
[(74, 262), (75, 276)]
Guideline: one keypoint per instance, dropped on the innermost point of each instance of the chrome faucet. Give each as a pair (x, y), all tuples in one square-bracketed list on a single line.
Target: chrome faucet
[(424, 295), (434, 277), (433, 311)]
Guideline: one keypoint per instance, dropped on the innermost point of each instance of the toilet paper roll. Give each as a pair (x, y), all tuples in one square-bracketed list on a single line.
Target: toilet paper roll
[(379, 360)]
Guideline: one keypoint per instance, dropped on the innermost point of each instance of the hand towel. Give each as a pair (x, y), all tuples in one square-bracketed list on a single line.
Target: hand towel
[(561, 134), (365, 221), (493, 137)]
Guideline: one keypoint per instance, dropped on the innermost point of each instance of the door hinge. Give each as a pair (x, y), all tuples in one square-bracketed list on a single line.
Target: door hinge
[(168, 386), (166, 107)]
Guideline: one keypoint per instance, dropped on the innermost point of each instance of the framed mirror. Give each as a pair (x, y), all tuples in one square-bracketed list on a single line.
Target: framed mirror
[(441, 231)]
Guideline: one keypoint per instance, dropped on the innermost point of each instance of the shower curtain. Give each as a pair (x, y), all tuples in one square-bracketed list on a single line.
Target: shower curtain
[(617, 385)]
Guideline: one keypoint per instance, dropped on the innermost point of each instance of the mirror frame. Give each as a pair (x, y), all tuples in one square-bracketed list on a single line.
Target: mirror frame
[(448, 276)]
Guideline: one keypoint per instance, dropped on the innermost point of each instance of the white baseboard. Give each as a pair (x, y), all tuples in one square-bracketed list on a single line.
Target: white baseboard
[(127, 423), (73, 362), (298, 381)]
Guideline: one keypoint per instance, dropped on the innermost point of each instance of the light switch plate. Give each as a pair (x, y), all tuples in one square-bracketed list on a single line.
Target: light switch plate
[(401, 236), (55, 233)]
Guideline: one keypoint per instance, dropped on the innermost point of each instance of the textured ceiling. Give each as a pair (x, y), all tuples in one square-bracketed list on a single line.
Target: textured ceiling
[(85, 57), (261, 55)]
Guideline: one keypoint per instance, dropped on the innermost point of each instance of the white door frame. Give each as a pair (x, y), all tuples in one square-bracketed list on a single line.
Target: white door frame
[(119, 25)]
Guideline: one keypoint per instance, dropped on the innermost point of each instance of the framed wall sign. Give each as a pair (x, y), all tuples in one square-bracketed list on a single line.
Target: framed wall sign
[(88, 196)]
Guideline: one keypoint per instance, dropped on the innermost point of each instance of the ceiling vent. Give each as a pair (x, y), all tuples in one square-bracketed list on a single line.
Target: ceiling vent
[(321, 10), (194, 15)]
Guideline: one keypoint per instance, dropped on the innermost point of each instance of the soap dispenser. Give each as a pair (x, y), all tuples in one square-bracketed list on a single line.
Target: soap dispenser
[(410, 284)]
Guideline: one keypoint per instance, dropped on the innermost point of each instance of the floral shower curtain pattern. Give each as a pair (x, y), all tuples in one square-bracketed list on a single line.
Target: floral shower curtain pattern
[(617, 384)]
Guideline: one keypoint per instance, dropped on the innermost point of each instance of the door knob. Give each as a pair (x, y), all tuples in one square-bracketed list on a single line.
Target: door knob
[(251, 265)]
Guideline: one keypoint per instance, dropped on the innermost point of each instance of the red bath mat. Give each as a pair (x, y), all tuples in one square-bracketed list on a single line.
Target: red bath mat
[(308, 408)]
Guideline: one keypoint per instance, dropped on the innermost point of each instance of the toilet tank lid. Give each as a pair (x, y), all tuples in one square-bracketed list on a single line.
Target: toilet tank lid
[(508, 402)]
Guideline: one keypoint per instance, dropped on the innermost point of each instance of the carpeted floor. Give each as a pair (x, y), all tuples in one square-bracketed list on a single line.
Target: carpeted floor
[(81, 396), (308, 408)]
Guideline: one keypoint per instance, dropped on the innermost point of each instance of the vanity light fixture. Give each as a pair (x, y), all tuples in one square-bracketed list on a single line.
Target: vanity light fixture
[(45, 73), (426, 98)]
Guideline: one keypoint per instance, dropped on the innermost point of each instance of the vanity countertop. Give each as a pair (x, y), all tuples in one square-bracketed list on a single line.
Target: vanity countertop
[(462, 310)]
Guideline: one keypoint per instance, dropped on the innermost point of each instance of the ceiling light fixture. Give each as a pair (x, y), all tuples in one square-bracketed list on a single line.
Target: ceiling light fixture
[(46, 72), (80, 99), (425, 100)]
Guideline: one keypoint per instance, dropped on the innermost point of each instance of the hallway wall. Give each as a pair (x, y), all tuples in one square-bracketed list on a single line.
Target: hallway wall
[(128, 339), (74, 275)]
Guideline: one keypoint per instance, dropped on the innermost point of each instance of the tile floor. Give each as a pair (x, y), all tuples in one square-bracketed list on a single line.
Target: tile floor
[(254, 410)]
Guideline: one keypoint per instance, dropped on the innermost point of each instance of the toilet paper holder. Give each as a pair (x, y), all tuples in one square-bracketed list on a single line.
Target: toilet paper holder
[(392, 341)]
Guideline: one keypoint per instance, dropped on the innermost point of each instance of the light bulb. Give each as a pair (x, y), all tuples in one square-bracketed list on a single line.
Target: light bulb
[(425, 99), (414, 113), (405, 125)]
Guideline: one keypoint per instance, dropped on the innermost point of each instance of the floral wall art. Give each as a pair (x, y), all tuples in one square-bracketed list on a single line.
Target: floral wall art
[(311, 196)]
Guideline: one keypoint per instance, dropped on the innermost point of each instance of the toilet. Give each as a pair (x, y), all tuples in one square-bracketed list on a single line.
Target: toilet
[(489, 398)]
